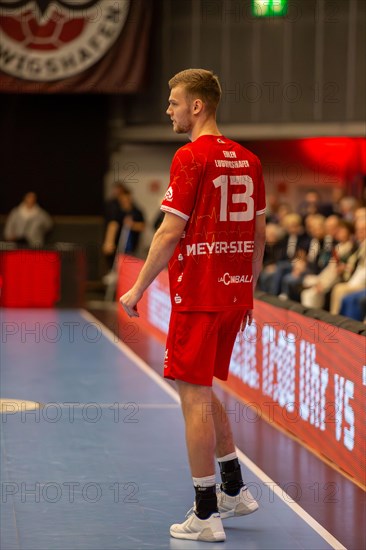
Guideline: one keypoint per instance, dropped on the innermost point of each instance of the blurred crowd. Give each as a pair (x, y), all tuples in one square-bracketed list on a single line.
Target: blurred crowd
[(316, 254)]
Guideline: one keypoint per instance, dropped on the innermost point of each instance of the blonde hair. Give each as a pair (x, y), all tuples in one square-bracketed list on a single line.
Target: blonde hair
[(291, 219), (199, 83)]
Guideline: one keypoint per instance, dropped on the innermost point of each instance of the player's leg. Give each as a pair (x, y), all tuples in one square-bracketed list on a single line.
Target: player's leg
[(224, 435), (230, 470), (200, 429), (205, 522), (234, 499), (191, 348)]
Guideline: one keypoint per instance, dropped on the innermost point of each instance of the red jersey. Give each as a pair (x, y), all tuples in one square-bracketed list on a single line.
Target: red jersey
[(217, 186)]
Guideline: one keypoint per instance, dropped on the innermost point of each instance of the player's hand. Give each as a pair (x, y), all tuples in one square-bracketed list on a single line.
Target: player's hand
[(129, 302), (247, 319)]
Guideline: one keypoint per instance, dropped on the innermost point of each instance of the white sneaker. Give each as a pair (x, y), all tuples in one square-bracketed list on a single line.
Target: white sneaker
[(240, 505), (194, 528)]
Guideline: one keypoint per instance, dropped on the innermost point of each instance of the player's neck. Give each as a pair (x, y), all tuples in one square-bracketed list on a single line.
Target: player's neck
[(208, 127)]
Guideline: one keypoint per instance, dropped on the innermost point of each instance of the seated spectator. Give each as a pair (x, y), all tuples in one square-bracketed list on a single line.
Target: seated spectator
[(322, 231), (348, 206), (28, 224), (295, 245), (317, 258), (273, 205), (331, 228), (353, 305), (360, 213), (124, 228), (274, 252), (337, 193), (283, 209), (312, 204), (316, 287), (362, 305), (353, 272)]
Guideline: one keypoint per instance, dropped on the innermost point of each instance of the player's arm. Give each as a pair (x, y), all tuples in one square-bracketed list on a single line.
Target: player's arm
[(162, 247)]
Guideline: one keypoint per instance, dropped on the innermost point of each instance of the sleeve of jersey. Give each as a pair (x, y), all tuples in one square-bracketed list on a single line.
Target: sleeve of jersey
[(261, 194), (184, 176)]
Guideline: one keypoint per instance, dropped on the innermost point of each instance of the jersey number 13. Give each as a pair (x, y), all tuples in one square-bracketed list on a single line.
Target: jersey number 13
[(236, 198)]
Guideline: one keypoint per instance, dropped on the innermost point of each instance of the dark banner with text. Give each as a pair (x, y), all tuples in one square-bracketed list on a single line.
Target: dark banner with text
[(84, 46)]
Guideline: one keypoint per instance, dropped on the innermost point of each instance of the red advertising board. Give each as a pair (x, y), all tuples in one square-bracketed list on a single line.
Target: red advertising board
[(30, 278), (303, 374), (309, 377)]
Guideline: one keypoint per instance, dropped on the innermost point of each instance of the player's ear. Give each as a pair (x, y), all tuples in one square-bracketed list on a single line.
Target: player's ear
[(197, 106)]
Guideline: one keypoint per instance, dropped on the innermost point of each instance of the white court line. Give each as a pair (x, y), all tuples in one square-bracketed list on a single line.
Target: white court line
[(328, 537), (307, 518)]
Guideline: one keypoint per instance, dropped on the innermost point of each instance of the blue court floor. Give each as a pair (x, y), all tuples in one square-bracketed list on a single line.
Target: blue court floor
[(102, 463)]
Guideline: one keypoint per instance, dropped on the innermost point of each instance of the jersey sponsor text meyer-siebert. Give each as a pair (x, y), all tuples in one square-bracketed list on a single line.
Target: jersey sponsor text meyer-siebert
[(220, 247)]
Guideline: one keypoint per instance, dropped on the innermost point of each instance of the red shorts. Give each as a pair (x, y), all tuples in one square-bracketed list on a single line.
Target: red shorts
[(200, 344)]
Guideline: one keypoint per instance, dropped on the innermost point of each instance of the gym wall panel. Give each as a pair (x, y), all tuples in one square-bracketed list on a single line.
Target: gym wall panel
[(309, 56)]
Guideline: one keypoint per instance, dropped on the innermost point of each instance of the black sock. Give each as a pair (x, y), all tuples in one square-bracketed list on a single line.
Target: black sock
[(232, 481), (206, 501)]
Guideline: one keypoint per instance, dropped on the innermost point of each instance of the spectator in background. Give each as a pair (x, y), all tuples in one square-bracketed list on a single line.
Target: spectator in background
[(348, 206), (362, 304), (112, 207), (317, 258), (274, 252), (360, 214), (295, 246), (354, 305), (28, 224), (124, 226), (134, 220), (331, 228), (353, 273), (312, 204), (316, 287), (284, 208), (273, 205), (323, 240), (337, 194)]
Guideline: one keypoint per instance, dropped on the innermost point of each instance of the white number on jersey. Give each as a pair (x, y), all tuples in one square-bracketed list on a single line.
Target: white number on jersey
[(237, 198)]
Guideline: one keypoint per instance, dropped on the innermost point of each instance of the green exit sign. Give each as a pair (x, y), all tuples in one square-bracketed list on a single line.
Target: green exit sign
[(269, 8)]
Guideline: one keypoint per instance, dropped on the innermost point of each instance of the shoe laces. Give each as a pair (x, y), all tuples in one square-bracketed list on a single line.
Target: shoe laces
[(191, 510)]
